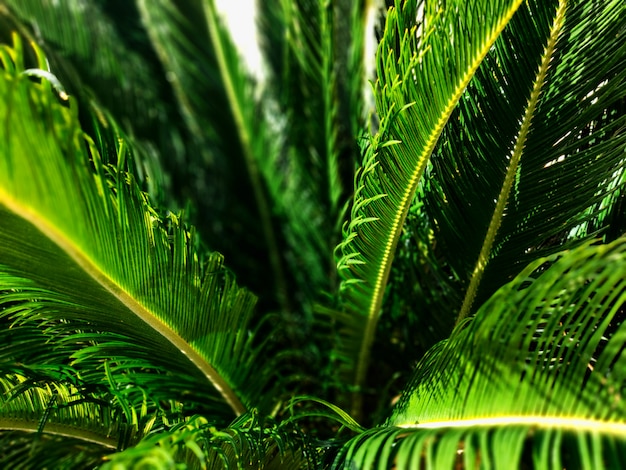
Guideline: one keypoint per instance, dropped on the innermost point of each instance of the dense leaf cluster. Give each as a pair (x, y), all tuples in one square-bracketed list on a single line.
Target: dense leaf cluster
[(201, 268)]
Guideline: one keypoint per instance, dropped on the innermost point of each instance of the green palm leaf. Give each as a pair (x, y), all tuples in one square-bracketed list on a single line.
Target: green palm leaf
[(564, 185), (52, 424), (420, 80), (315, 86), (557, 161), (316, 52), (100, 67), (217, 99), (117, 67), (300, 47), (248, 442), (116, 290), (540, 371)]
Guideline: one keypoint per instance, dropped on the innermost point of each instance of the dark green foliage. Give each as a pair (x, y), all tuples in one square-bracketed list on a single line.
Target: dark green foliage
[(440, 253)]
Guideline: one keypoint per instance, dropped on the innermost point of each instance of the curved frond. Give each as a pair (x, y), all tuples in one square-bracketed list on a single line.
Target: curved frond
[(47, 423), (55, 409), (535, 377), (421, 76), (534, 154), (115, 290)]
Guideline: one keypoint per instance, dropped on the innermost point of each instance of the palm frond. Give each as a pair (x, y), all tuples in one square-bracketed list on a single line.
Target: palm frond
[(106, 70), (415, 96), (51, 423), (550, 168), (217, 98), (316, 80), (248, 442), (55, 409), (563, 193), (360, 60), (539, 369), (116, 289), (326, 57)]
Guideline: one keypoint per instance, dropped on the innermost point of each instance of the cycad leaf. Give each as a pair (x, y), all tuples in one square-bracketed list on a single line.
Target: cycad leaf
[(567, 177), (217, 98), (315, 51), (97, 52), (420, 80), (90, 264), (96, 63), (299, 42), (38, 410), (540, 371), (534, 154), (52, 425), (315, 90), (248, 442), (301, 101)]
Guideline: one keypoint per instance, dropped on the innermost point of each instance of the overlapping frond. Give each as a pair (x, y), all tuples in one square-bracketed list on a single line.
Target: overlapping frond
[(567, 185), (535, 378), (499, 141), (304, 83), (95, 281), (315, 52), (56, 409), (421, 76), (217, 98), (53, 424), (533, 156)]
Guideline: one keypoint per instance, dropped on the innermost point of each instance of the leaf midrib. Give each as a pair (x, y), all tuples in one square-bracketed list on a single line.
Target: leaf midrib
[(518, 150), (58, 429), (91, 269), (543, 422), (248, 153)]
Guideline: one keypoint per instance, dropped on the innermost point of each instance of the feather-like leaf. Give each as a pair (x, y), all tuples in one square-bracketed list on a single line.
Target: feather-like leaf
[(116, 290), (535, 378), (316, 79), (51, 424), (421, 76), (534, 153), (567, 177), (248, 442)]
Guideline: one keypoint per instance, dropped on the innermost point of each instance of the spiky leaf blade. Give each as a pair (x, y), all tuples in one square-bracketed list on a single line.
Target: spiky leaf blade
[(87, 261), (420, 80), (539, 368)]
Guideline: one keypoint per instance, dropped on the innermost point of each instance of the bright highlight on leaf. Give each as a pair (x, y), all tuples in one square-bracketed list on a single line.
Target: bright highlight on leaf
[(415, 97), (552, 372)]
